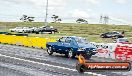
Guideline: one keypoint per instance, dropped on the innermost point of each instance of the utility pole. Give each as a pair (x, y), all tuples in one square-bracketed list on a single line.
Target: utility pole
[(46, 15)]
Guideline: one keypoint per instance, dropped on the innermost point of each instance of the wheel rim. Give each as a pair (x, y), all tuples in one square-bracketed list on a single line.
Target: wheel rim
[(70, 54), (49, 50), (53, 32)]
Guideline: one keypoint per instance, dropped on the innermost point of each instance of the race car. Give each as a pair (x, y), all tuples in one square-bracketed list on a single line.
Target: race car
[(72, 46)]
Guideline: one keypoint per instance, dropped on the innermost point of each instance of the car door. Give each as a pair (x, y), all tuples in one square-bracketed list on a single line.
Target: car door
[(48, 29), (109, 34), (116, 34), (67, 44), (60, 44)]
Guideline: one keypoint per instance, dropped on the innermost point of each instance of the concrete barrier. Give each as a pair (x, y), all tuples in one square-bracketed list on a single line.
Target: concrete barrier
[(117, 51), (123, 52), (25, 41)]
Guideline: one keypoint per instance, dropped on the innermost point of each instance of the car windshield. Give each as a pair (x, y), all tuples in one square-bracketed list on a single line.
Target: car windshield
[(81, 40)]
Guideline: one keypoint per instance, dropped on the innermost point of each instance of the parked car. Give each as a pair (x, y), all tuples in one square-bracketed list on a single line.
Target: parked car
[(112, 35), (3, 32), (121, 40), (48, 29), (23, 29), (17, 29), (71, 46)]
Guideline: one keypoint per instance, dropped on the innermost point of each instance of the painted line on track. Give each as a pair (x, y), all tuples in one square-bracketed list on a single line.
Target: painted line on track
[(59, 67)]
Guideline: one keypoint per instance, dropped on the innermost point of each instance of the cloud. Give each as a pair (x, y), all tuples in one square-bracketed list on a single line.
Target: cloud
[(38, 3), (121, 1), (93, 1), (79, 14)]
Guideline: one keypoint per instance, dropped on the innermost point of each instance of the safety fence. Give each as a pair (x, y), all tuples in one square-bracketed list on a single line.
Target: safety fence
[(25, 41), (116, 51)]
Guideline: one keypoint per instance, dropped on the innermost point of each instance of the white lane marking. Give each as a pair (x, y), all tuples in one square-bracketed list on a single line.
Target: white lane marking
[(64, 68)]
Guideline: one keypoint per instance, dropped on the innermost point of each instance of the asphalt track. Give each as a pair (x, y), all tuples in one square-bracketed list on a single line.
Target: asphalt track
[(25, 61)]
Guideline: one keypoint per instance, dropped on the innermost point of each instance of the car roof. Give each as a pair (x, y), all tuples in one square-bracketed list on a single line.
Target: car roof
[(112, 32)]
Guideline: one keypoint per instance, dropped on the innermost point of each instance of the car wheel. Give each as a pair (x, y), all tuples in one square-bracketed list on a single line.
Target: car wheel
[(37, 32), (52, 32), (70, 54), (50, 50)]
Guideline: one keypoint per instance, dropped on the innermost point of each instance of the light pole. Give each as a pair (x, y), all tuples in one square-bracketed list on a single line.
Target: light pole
[(46, 23)]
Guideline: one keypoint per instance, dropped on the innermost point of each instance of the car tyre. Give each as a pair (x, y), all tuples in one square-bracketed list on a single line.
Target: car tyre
[(70, 54), (52, 32), (50, 50)]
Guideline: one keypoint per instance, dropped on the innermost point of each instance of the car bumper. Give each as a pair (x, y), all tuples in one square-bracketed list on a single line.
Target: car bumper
[(87, 52)]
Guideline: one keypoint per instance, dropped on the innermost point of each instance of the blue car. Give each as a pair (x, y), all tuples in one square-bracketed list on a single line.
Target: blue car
[(71, 46)]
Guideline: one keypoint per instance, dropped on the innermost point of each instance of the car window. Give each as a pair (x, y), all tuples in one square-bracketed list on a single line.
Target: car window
[(68, 40), (108, 33), (81, 40), (62, 39), (115, 33)]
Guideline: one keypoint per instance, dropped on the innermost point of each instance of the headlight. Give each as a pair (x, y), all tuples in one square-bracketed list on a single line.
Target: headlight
[(81, 49)]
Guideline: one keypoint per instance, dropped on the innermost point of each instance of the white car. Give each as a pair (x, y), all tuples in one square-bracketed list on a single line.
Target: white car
[(23, 29), (121, 40), (27, 29), (17, 29)]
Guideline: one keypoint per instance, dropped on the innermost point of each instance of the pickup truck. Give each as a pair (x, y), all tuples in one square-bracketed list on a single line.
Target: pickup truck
[(72, 46)]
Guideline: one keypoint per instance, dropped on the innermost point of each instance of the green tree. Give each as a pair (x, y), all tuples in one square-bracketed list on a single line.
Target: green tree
[(56, 18), (25, 18), (80, 20)]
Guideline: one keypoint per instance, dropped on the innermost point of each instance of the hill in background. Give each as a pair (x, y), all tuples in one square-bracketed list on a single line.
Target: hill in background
[(90, 31)]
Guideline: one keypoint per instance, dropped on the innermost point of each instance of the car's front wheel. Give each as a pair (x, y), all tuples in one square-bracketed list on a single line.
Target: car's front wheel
[(70, 54), (50, 50)]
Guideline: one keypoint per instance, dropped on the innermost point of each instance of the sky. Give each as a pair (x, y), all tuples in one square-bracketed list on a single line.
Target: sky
[(119, 11)]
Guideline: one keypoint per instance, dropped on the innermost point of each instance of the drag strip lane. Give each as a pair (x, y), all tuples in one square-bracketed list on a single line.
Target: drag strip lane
[(49, 65), (41, 56)]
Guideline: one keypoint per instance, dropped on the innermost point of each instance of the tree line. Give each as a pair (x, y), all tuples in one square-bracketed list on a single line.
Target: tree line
[(56, 19)]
